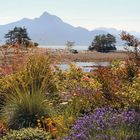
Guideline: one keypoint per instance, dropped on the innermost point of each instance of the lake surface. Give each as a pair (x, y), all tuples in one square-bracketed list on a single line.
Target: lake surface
[(86, 66)]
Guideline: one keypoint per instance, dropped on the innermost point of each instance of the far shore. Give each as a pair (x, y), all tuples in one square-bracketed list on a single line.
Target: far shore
[(86, 56), (64, 56)]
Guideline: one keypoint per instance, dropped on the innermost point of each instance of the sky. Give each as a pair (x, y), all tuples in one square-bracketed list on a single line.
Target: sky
[(91, 14)]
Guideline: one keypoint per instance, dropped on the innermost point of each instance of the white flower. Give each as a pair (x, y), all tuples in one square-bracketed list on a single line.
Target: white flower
[(64, 103)]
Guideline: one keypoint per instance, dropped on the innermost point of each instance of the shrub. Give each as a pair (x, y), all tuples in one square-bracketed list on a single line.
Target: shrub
[(27, 134), (73, 77), (111, 85), (48, 125), (131, 70), (3, 130), (106, 123), (22, 108), (38, 73), (132, 92), (26, 93)]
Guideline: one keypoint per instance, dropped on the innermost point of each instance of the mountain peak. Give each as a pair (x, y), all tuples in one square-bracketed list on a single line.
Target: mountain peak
[(49, 17), (49, 29), (45, 14)]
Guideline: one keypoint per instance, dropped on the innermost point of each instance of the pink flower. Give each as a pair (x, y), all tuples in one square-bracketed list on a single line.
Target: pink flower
[(85, 78)]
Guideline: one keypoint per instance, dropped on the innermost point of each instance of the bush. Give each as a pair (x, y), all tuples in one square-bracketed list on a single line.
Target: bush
[(26, 95), (131, 70), (107, 124), (3, 130), (38, 73), (111, 85), (22, 109), (27, 134), (132, 92)]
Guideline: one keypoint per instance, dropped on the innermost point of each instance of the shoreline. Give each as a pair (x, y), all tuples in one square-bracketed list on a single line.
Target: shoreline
[(89, 56), (64, 56)]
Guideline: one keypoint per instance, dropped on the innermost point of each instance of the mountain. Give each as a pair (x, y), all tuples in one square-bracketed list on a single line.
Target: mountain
[(51, 30)]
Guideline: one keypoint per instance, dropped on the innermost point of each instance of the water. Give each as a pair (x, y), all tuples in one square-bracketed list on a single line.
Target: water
[(86, 66)]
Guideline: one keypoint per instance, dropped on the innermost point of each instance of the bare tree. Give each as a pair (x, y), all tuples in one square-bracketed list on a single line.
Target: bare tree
[(134, 43)]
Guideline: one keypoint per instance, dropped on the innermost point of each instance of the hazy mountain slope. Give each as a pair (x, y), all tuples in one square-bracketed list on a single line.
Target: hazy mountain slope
[(51, 30)]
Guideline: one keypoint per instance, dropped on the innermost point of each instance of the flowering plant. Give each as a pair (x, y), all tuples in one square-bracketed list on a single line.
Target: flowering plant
[(106, 123)]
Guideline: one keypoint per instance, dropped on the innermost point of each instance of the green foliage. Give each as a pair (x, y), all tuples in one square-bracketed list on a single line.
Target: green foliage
[(106, 78), (27, 93), (134, 43), (132, 92), (103, 43), (17, 34), (3, 129), (73, 77), (48, 125), (22, 108), (131, 70), (38, 73), (52, 99), (36, 76), (27, 134)]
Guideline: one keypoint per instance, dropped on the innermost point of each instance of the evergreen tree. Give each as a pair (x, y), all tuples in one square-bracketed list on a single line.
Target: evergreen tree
[(17, 35), (103, 43)]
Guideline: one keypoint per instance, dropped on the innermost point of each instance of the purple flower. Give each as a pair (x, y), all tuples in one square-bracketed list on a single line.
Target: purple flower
[(105, 123)]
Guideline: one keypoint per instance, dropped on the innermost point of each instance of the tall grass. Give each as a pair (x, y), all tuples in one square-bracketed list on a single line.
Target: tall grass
[(22, 109), (26, 93)]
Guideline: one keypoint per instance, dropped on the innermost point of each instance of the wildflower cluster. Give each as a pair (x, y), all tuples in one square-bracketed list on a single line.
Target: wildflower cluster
[(48, 125), (72, 104), (106, 123), (2, 130)]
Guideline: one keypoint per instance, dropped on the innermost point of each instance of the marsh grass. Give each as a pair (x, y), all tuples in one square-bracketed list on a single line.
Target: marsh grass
[(22, 109), (26, 93)]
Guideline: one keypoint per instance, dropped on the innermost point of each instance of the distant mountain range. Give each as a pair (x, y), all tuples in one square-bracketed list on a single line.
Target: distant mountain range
[(51, 30)]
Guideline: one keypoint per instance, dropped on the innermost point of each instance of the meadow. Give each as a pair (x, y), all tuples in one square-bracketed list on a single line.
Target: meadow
[(85, 56), (40, 101)]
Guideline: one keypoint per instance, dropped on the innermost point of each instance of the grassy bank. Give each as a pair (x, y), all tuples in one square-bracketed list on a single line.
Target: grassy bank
[(85, 56)]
